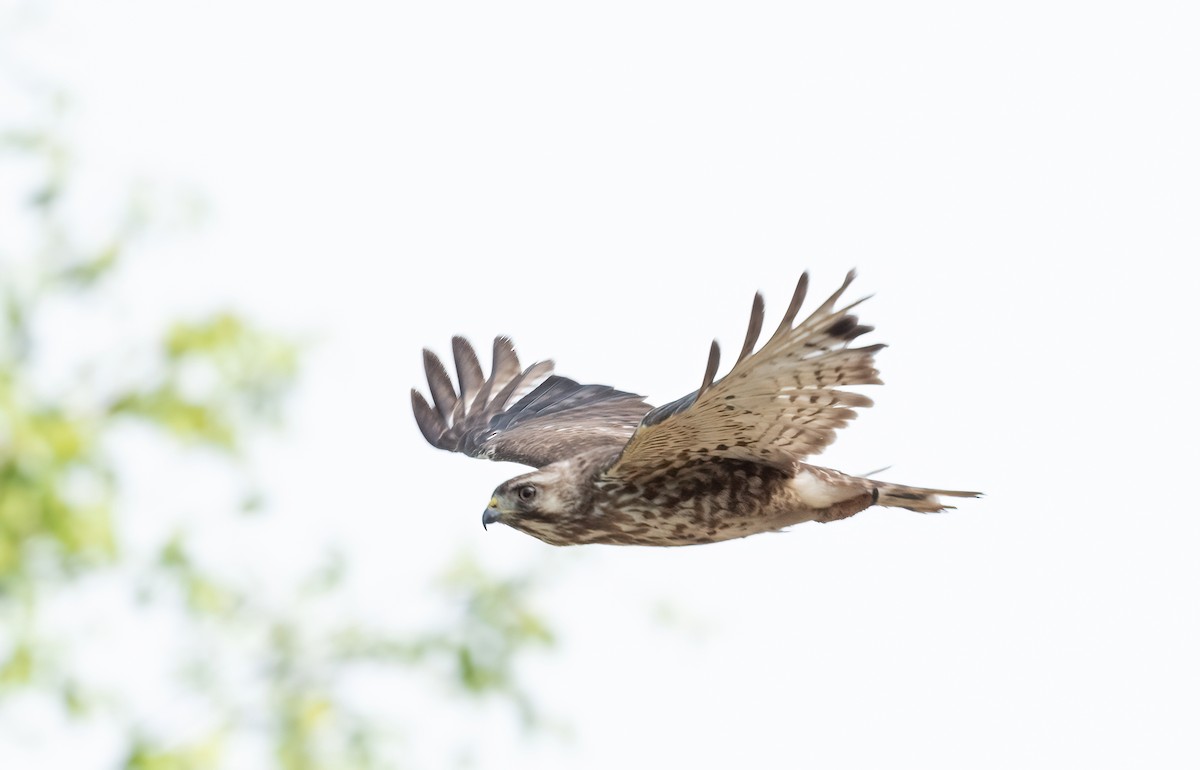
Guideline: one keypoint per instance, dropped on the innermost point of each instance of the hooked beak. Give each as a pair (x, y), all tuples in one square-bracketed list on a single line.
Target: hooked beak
[(492, 514)]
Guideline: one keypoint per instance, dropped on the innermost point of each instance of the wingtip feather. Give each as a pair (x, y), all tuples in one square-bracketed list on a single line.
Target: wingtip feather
[(754, 329), (470, 374), (710, 371), (440, 387), (794, 306), (429, 421)]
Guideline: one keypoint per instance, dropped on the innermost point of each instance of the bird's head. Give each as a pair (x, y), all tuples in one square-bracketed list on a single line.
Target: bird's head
[(542, 503)]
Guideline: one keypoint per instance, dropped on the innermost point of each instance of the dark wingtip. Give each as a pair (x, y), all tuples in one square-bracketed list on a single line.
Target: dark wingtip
[(466, 363), (710, 372), (794, 306), (440, 387), (847, 328), (504, 357), (504, 349), (429, 421), (755, 327)]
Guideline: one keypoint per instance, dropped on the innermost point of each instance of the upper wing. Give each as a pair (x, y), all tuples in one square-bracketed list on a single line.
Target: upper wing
[(528, 416), (774, 407)]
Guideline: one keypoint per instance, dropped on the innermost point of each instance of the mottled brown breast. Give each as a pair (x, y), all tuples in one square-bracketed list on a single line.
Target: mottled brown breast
[(705, 501)]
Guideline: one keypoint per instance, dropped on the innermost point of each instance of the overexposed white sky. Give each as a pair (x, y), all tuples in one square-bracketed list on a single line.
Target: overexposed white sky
[(1018, 183)]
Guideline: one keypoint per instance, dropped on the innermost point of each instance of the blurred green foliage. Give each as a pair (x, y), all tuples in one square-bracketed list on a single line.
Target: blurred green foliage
[(264, 671)]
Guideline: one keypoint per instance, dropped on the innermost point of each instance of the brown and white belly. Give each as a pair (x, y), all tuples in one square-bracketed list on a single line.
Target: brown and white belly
[(711, 503)]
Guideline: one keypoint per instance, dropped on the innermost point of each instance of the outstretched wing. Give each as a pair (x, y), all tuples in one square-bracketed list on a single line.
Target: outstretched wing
[(522, 415), (774, 407)]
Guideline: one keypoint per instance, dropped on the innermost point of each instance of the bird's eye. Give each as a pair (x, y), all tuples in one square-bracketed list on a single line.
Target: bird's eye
[(527, 493)]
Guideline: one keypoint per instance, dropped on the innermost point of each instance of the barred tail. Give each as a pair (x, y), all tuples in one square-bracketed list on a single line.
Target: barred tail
[(916, 498)]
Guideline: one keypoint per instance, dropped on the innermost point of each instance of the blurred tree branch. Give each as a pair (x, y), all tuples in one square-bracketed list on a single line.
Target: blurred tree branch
[(263, 672)]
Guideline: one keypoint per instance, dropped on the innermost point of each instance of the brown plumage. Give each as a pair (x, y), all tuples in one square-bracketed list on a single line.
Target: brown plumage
[(725, 461)]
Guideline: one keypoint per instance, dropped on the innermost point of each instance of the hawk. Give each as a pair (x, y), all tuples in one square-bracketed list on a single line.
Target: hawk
[(725, 461)]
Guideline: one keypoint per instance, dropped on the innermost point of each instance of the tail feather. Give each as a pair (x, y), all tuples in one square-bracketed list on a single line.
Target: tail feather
[(916, 498)]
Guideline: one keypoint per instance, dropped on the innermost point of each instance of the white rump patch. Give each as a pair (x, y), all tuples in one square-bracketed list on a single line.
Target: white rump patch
[(816, 492)]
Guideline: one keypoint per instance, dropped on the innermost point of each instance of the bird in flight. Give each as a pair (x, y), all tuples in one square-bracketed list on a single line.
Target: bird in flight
[(723, 462)]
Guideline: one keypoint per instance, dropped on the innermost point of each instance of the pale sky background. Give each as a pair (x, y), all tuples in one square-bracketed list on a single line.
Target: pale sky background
[(1018, 184)]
